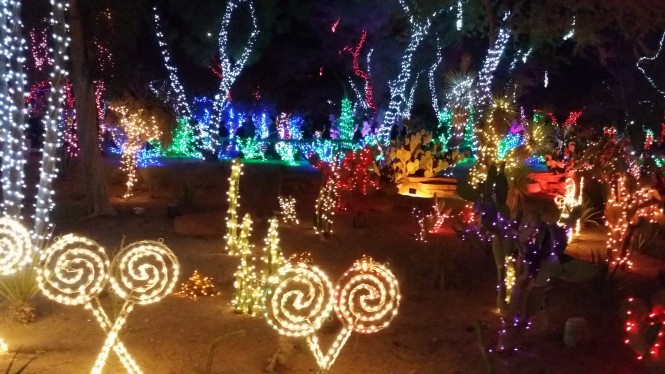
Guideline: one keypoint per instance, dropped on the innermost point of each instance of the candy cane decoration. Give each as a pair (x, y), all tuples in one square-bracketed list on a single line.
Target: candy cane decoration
[(74, 271), (15, 246), (142, 273), (365, 299)]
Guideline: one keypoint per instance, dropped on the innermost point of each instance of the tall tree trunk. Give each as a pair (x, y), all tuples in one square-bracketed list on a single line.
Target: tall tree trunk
[(491, 22), (97, 198)]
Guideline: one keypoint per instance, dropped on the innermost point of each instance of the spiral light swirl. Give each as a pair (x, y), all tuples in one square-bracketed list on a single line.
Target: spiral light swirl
[(298, 299), (367, 296), (144, 272), (73, 270), (15, 246)]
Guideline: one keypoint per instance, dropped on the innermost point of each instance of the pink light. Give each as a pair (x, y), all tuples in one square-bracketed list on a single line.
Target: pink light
[(369, 100), (334, 25)]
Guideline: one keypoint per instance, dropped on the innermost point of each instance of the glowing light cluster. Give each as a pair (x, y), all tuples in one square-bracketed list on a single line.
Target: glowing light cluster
[(572, 118), (646, 58), (364, 75), (571, 199), (233, 198), (509, 280), (623, 210), (12, 113), (355, 173), (16, 247), (324, 208), (75, 270), (491, 63), (183, 143), (247, 295), (39, 48), (197, 286), (138, 128), (231, 67), (299, 298), (252, 148), (288, 207), (644, 330)]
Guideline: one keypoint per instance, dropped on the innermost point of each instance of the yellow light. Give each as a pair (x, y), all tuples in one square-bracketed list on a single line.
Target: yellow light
[(233, 196), (299, 298), (4, 348), (571, 199), (16, 247), (197, 285), (509, 281), (247, 295), (288, 206)]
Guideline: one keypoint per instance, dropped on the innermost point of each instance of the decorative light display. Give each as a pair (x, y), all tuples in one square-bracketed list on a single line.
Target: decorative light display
[(355, 173), (510, 142), (440, 215), (233, 198), (202, 114), (142, 273), (182, 108), (469, 141), (644, 329), (421, 219), (623, 210), (49, 162), (509, 280), (197, 286), (39, 48), (572, 118), (261, 124), (398, 87), (369, 92), (104, 25), (272, 258), (138, 129), (460, 15), (571, 199), (300, 298), (252, 148), (326, 149), (183, 143), (334, 26), (570, 34), (646, 58), (69, 122), (150, 155), (75, 270), (546, 81), (324, 208), (288, 207), (431, 80), (648, 139), (346, 126), (230, 70), (247, 295), (12, 113), (16, 247), (444, 128), (491, 63)]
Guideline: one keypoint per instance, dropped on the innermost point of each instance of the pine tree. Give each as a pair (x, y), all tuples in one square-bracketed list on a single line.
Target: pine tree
[(346, 126), (247, 296)]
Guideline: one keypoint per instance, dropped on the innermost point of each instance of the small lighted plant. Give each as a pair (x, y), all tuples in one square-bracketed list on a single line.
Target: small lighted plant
[(300, 298), (233, 198), (288, 207), (247, 295), (138, 128), (570, 200)]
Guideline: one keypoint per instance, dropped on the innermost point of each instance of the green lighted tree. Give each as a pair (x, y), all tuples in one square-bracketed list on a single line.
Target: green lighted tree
[(346, 121), (183, 143)]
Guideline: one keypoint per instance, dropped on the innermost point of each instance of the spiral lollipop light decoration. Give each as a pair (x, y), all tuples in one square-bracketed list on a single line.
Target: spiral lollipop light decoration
[(73, 270), (15, 246), (298, 300)]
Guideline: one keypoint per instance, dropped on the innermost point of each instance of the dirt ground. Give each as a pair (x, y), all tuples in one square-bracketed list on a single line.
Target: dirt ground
[(434, 332)]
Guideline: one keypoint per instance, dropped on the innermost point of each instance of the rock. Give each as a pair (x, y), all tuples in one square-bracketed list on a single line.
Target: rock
[(200, 224)]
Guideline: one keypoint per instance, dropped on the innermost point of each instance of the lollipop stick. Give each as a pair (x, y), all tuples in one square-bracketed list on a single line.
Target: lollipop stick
[(118, 348), (325, 361), (112, 337)]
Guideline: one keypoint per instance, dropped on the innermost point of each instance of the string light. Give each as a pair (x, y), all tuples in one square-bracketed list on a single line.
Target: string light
[(398, 88), (196, 286), (324, 208), (566, 203), (288, 207), (286, 151), (49, 163), (547, 79), (369, 91), (431, 75), (182, 107), (646, 58), (16, 248), (346, 126), (252, 148), (230, 71), (73, 271), (184, 143), (41, 58), (572, 118), (247, 295), (12, 111), (570, 34), (355, 173), (142, 273), (233, 198), (101, 41), (138, 129), (272, 258), (644, 330), (491, 63), (460, 15), (300, 298), (648, 140)]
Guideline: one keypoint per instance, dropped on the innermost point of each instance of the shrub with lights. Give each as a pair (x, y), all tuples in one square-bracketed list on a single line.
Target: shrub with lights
[(327, 201)]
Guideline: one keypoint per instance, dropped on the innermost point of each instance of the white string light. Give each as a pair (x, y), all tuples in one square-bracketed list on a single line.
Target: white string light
[(432, 85), (491, 63), (15, 246), (288, 206), (52, 136), (571, 33), (646, 58), (460, 15), (12, 107), (182, 108), (233, 198), (230, 71)]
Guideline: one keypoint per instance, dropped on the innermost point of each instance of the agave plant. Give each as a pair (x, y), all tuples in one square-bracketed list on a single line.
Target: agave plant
[(19, 289), (590, 215)]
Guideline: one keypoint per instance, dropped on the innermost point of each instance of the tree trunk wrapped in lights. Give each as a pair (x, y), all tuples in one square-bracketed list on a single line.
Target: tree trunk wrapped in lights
[(233, 194), (247, 295)]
